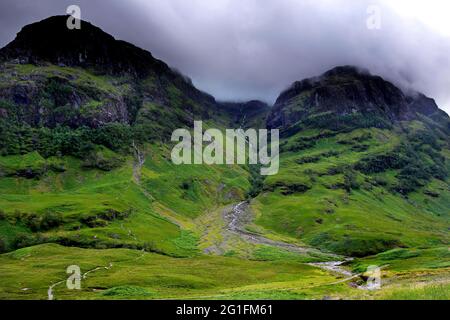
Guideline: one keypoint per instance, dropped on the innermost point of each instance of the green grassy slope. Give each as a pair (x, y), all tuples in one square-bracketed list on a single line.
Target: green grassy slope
[(323, 197), (130, 274), (411, 274), (96, 208)]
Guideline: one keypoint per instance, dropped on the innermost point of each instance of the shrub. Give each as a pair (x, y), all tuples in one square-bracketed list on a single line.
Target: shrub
[(127, 291), (2, 246), (102, 219), (50, 220), (379, 181), (57, 91), (354, 246), (103, 159), (115, 136), (24, 240), (360, 147), (316, 158), (38, 222), (256, 181), (381, 163), (336, 122), (288, 188), (350, 181), (309, 159), (61, 140), (335, 170), (298, 146)]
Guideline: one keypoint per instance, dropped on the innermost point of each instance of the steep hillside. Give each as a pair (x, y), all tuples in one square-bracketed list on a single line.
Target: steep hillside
[(55, 76), (85, 122), (364, 167), (348, 93), (251, 114)]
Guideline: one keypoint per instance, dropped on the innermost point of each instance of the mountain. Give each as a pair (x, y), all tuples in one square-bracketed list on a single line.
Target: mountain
[(48, 41), (364, 166), (79, 112), (350, 92), (55, 76), (86, 178)]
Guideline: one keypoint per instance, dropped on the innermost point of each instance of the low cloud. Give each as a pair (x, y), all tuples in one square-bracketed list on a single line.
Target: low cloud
[(247, 49)]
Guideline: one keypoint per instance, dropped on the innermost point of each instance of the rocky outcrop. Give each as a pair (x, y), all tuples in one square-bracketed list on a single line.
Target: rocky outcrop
[(345, 91), (87, 78), (51, 41), (51, 99)]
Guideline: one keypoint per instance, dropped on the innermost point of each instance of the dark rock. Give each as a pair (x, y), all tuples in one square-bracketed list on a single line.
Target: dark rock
[(422, 104), (51, 41), (345, 92), (431, 193), (147, 81), (251, 114)]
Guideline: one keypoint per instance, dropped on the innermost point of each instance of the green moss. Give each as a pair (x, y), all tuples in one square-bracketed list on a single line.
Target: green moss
[(127, 292)]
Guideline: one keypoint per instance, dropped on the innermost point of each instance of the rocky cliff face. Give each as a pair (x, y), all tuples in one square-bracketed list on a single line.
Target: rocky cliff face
[(51, 75), (345, 91), (250, 114), (50, 96), (89, 47)]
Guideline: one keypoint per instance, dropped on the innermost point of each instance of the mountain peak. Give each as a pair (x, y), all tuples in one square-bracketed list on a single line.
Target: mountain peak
[(51, 41), (347, 70), (349, 90)]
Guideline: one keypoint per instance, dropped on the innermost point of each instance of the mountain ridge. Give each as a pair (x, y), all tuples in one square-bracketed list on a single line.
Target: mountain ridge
[(56, 76), (343, 90), (346, 90), (49, 40)]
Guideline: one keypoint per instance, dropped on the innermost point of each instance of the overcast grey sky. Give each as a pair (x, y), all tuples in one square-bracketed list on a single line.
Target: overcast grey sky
[(253, 49)]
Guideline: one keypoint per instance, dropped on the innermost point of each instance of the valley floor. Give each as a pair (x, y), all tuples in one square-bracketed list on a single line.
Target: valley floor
[(130, 274), (147, 231), (277, 269)]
